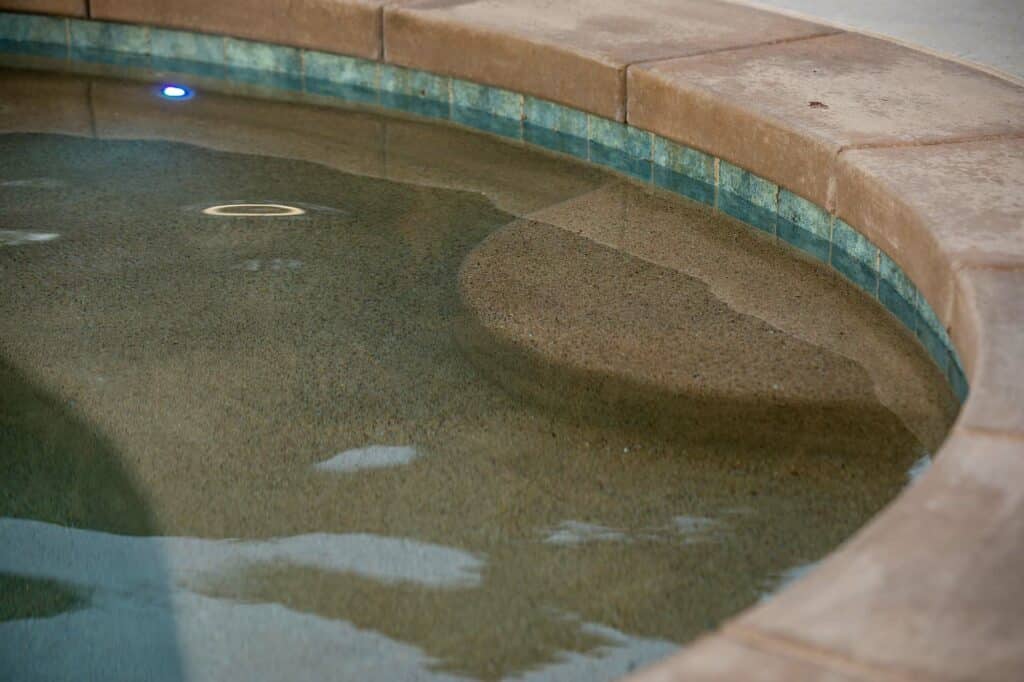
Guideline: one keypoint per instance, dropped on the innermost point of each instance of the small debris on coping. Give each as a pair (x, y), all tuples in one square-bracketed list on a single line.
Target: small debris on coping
[(815, 104)]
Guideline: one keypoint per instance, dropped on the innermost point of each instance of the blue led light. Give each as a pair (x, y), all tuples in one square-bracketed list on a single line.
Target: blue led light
[(175, 92)]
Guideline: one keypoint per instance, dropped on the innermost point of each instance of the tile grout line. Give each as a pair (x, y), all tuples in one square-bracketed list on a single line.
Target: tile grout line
[(831, 236), (778, 203), (878, 270), (717, 175)]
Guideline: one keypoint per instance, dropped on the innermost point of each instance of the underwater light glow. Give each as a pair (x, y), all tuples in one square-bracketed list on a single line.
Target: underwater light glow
[(175, 92)]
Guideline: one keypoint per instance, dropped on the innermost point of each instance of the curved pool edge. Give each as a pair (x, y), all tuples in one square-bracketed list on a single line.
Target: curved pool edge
[(930, 588)]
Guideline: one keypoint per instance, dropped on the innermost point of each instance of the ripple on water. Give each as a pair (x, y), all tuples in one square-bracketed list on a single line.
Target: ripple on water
[(370, 457), (19, 237)]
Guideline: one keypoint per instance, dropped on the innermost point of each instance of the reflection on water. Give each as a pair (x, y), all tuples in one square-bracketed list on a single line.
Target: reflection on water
[(198, 486), (370, 457), (19, 237), (123, 563)]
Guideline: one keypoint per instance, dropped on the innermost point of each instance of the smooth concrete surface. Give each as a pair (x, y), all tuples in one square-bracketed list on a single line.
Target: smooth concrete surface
[(956, 204), (986, 32), (989, 301), (573, 52), (71, 8), (833, 93), (316, 24)]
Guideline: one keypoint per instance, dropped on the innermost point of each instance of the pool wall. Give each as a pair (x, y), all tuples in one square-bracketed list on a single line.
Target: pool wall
[(900, 170)]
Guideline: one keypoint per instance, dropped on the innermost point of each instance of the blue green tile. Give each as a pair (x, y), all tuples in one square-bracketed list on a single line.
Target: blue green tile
[(932, 343), (418, 92), (955, 375), (854, 256), (684, 171), (896, 292), (492, 109), (334, 75), (555, 127), (619, 146), (119, 44), (185, 52), (928, 318), (932, 332), (805, 225), (747, 197), (273, 66), (30, 34)]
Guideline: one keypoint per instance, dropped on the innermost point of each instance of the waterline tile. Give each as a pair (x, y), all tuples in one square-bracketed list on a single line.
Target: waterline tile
[(335, 75), (491, 109), (896, 292), (683, 170), (747, 197), (621, 147), (804, 225), (273, 66), (417, 92), (555, 127), (185, 52), (107, 43), (39, 36), (854, 256)]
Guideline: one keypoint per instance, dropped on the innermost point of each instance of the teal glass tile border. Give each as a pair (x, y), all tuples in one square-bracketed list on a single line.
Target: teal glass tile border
[(491, 109), (184, 52), (108, 43), (34, 35), (853, 255), (684, 171), (896, 292), (333, 75), (417, 92), (620, 147), (747, 197), (271, 66), (806, 226), (556, 127)]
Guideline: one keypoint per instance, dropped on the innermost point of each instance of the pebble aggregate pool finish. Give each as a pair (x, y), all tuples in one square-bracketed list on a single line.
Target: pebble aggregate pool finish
[(365, 441)]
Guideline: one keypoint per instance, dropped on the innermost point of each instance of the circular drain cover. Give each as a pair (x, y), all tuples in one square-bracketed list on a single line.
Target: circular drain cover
[(253, 210)]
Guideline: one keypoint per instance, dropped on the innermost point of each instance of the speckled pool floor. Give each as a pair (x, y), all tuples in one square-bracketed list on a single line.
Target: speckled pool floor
[(256, 447)]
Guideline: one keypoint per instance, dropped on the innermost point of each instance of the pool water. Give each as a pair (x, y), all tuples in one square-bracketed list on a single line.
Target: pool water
[(443, 422)]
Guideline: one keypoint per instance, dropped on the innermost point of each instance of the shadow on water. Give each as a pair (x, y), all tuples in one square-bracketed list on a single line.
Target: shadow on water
[(60, 471), (613, 339)]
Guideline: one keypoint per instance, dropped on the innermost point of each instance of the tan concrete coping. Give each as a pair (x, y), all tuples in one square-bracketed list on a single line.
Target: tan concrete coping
[(66, 8), (924, 156), (348, 26), (573, 52)]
